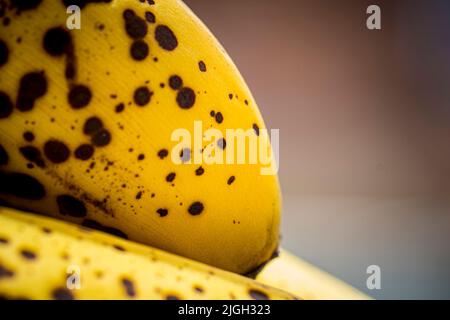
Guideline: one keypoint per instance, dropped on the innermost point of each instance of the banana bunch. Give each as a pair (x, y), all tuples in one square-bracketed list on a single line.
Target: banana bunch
[(115, 115)]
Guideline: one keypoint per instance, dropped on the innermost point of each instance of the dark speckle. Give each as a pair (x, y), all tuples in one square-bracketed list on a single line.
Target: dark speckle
[(57, 41), (98, 226), (212, 113), (150, 17), (56, 151), (101, 138), (100, 26), (231, 180), (258, 295), (256, 128), (186, 98), (142, 96), (199, 171), (79, 96), (4, 53), (175, 82), (27, 254), (198, 289), (162, 212), (70, 206), (163, 153), (21, 185), (4, 241), (170, 177), (202, 66), (141, 157), (28, 136), (120, 107), (230, 96), (4, 158), (135, 26), (129, 287), (92, 125), (6, 21), (139, 50), (219, 117), (196, 208), (32, 86), (139, 195), (128, 14), (33, 155), (119, 248), (62, 294), (172, 297), (185, 155), (222, 143), (6, 106), (5, 273), (23, 5), (84, 152), (166, 38)]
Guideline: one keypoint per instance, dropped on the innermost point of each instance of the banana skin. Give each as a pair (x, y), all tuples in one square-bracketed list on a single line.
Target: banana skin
[(285, 272), (293, 274), (43, 258), (86, 118)]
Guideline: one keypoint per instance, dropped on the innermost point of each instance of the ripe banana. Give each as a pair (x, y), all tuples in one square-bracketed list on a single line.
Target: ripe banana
[(290, 273), (86, 118), (286, 272), (43, 258)]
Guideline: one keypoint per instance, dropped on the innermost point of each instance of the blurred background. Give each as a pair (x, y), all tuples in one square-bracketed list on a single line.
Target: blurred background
[(364, 119)]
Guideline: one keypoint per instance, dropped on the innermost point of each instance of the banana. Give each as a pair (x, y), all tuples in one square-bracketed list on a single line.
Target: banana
[(290, 273), (43, 258), (97, 124), (285, 272)]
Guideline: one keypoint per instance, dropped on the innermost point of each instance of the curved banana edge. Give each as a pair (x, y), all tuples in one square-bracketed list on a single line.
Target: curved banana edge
[(123, 125), (41, 258), (292, 274)]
